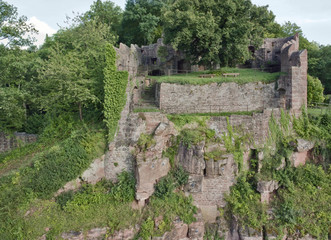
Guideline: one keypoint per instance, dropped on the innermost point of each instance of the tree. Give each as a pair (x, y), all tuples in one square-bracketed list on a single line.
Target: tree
[(322, 67), (17, 69), (72, 74), (107, 13), (13, 29), (141, 22), (314, 90), (215, 31)]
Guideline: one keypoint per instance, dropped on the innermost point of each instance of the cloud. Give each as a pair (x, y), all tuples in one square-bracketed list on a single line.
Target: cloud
[(43, 29)]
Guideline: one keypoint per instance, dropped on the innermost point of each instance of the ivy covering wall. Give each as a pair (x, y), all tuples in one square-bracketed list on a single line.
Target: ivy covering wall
[(115, 92)]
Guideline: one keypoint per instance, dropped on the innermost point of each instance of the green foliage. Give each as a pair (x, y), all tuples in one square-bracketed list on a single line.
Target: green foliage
[(52, 169), (180, 120), (105, 12), (115, 92), (303, 207), (244, 203), (17, 88), (91, 206), (278, 147), (162, 53), (147, 228), (314, 90), (246, 76), (38, 170), (14, 29), (172, 151), (141, 22), (214, 155), (63, 198), (234, 143), (205, 31), (176, 178), (190, 137), (138, 110), (124, 190), (71, 75), (303, 126), (145, 141)]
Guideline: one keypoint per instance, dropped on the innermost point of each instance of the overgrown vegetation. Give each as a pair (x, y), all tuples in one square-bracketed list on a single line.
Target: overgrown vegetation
[(301, 203), (166, 205), (246, 76), (50, 167), (234, 144), (115, 88)]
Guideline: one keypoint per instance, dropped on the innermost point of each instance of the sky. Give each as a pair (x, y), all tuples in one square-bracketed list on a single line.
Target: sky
[(314, 17)]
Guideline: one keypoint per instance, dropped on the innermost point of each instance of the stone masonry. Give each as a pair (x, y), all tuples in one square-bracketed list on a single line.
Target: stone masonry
[(11, 142), (290, 91), (225, 97)]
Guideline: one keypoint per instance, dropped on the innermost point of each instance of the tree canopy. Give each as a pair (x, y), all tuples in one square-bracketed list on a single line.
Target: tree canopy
[(216, 31), (13, 28)]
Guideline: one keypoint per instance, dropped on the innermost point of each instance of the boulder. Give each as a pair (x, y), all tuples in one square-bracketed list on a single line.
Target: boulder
[(304, 145)]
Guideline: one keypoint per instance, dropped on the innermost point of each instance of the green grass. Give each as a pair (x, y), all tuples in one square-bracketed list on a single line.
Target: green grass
[(246, 76), (138, 110)]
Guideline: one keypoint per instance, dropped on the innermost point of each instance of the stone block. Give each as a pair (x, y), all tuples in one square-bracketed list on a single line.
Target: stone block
[(304, 145), (194, 184)]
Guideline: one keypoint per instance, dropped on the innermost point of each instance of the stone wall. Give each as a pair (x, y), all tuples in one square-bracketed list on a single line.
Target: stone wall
[(255, 125), (225, 97), (294, 84), (128, 59), (10, 142)]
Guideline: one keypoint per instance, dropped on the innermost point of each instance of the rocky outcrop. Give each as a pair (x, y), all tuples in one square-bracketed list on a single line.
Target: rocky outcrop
[(150, 164), (265, 188), (300, 156), (179, 232), (192, 158)]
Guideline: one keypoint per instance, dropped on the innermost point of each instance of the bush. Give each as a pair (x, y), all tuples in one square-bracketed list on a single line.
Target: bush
[(124, 190), (176, 178), (315, 90)]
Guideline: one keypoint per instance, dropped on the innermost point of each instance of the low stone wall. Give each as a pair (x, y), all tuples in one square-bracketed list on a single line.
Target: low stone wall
[(225, 97), (10, 142)]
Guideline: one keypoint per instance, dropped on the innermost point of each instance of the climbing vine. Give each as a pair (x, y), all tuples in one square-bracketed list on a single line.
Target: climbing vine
[(115, 87)]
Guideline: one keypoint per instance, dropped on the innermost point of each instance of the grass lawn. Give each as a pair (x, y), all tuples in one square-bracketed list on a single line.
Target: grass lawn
[(246, 76)]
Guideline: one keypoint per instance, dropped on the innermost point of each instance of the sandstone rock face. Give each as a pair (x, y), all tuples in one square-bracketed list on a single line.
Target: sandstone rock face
[(123, 234), (299, 158), (265, 188), (179, 232), (147, 173), (192, 158), (150, 165), (304, 145), (196, 230), (73, 235)]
